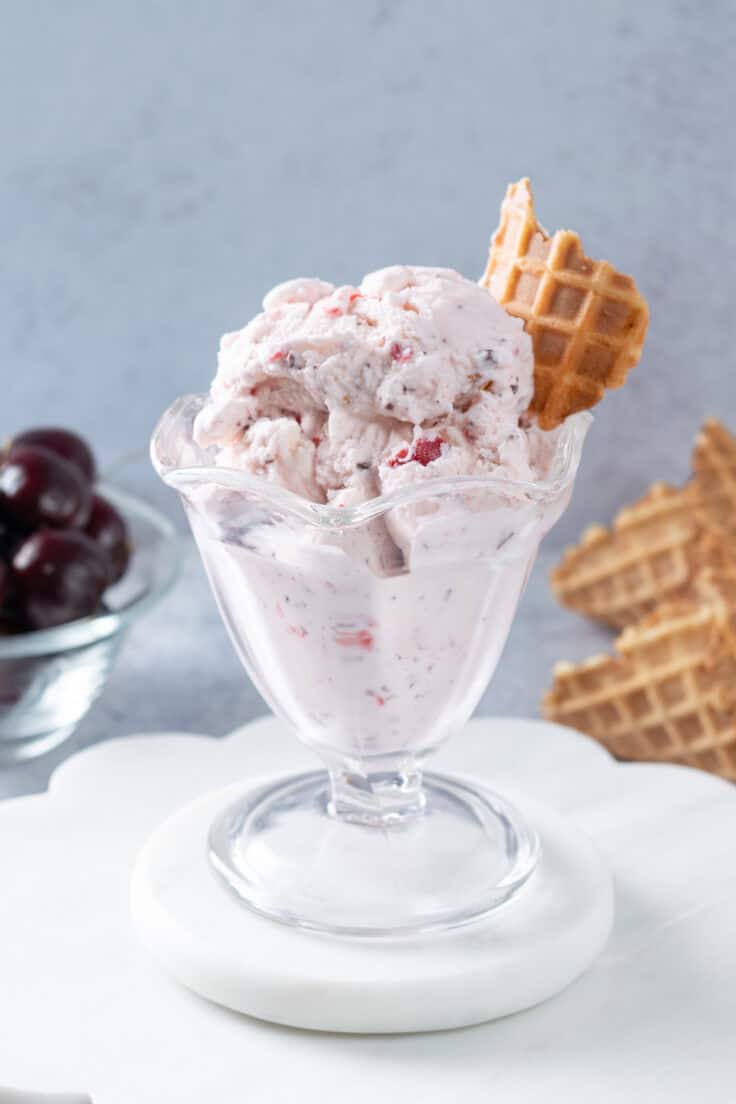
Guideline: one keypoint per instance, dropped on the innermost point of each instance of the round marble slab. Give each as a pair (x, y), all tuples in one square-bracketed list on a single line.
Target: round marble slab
[(524, 952)]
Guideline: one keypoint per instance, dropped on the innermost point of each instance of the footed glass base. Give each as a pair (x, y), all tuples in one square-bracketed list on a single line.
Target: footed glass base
[(449, 855)]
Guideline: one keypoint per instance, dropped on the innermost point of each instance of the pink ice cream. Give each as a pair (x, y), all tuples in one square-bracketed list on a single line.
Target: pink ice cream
[(342, 394), (378, 634)]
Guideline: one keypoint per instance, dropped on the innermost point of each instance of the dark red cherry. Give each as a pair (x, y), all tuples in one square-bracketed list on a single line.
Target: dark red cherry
[(37, 488), (108, 530), (10, 535), (5, 584), (11, 624), (62, 442), (12, 614), (60, 575)]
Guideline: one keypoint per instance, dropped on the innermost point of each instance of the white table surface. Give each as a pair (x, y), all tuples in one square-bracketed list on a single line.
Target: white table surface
[(83, 1008)]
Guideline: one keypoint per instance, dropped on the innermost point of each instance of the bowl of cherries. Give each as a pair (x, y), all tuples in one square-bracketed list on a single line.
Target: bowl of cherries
[(79, 562)]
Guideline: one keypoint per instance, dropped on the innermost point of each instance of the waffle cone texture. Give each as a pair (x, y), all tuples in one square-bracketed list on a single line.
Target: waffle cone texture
[(670, 692), (652, 553), (587, 321), (665, 572), (657, 546)]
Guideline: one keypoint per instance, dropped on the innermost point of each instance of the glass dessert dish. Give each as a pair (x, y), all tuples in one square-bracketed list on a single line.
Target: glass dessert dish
[(50, 678), (373, 630)]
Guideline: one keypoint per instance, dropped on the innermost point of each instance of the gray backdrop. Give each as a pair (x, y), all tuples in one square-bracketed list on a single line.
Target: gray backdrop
[(164, 163)]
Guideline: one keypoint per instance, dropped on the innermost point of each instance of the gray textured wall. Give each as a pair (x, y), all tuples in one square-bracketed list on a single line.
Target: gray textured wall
[(165, 163)]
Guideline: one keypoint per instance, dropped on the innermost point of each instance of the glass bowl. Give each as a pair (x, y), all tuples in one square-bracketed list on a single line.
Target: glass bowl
[(50, 678), (374, 631)]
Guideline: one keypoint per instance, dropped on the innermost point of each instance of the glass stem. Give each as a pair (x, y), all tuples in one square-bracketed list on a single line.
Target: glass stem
[(376, 797)]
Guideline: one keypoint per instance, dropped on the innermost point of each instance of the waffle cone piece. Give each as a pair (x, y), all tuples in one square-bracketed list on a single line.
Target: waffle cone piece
[(670, 693), (587, 321), (657, 547), (654, 551), (714, 467)]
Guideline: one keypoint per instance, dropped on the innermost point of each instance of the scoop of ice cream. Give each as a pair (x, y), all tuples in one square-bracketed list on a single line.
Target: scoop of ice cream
[(341, 394)]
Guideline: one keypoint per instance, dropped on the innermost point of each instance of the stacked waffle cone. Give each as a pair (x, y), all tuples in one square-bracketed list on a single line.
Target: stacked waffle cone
[(665, 573), (654, 551)]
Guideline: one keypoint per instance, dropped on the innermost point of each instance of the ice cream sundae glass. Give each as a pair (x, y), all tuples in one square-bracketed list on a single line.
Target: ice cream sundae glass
[(368, 482)]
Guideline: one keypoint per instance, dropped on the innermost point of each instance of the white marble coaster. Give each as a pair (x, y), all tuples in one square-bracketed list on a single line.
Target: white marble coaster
[(524, 952)]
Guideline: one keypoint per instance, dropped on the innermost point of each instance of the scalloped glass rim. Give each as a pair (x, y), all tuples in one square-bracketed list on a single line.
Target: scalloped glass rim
[(88, 630), (563, 469)]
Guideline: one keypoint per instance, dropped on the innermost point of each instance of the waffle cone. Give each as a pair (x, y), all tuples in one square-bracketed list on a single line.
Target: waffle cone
[(714, 467), (654, 552), (587, 321), (670, 693)]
